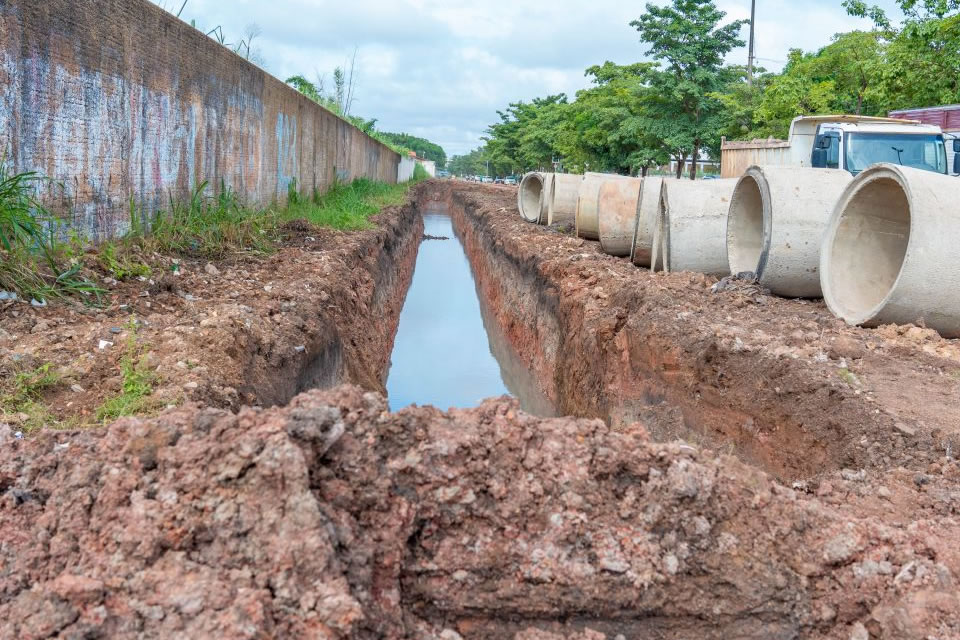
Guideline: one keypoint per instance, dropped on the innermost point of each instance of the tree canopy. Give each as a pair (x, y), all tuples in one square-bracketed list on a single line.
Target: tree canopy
[(683, 101)]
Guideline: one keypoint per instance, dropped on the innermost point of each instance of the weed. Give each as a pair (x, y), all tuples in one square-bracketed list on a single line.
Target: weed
[(419, 173), (119, 264), (23, 397), (30, 260), (348, 206), (849, 377), (210, 226), (137, 383)]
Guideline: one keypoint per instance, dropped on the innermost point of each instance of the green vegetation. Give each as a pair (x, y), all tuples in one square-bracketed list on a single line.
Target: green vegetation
[(636, 116), (36, 262), (32, 261), (348, 206), (421, 146), (137, 381), (119, 266), (207, 226), (22, 396)]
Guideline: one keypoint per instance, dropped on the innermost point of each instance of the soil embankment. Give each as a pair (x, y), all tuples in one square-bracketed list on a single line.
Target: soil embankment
[(321, 311), (781, 383)]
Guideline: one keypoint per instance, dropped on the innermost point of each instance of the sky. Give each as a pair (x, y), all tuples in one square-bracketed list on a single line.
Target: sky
[(441, 69)]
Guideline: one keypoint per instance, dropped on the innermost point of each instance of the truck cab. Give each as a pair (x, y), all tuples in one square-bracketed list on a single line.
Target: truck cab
[(854, 146), (848, 143)]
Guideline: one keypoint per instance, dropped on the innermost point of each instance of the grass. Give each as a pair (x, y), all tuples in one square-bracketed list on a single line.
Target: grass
[(206, 226), (36, 263), (137, 382), (23, 396), (347, 206), (121, 265), (32, 262)]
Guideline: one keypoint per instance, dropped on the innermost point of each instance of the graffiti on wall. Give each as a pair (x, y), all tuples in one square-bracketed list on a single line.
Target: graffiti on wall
[(149, 130)]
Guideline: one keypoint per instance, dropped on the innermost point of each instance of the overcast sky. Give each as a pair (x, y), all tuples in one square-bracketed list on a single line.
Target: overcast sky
[(441, 69)]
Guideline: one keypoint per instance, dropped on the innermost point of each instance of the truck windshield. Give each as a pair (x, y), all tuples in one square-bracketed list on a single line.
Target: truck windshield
[(925, 152)]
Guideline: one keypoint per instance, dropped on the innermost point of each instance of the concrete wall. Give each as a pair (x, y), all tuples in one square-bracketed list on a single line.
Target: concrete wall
[(405, 170), (429, 166), (117, 99)]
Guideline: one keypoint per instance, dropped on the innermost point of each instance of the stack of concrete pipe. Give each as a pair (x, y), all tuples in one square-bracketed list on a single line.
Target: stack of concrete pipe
[(879, 247)]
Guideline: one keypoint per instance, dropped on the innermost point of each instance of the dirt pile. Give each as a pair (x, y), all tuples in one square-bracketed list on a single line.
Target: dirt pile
[(331, 518)]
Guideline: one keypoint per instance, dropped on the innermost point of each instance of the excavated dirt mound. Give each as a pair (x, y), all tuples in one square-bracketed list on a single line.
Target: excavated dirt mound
[(332, 518)]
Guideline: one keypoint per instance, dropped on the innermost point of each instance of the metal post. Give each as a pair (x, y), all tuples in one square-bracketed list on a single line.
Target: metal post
[(753, 13)]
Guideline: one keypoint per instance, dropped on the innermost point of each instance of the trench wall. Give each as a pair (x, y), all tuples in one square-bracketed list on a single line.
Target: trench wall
[(119, 101)]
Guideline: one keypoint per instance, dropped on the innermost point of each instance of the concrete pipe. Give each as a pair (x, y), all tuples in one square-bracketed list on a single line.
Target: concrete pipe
[(641, 244), (562, 201), (586, 216), (890, 251), (530, 196), (618, 204), (775, 227), (548, 182), (690, 233)]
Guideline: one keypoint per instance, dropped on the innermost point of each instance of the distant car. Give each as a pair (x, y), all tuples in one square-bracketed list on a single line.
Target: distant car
[(510, 180), (498, 181), (487, 179)]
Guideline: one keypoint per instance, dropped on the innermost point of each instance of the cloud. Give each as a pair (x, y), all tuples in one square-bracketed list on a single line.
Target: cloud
[(442, 68)]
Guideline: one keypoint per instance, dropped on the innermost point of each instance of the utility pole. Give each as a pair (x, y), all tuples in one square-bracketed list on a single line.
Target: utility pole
[(753, 14)]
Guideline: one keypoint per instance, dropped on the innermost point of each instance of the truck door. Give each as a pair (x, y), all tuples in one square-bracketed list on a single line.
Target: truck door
[(826, 149)]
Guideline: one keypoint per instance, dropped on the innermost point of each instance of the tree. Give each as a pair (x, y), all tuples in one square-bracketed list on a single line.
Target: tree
[(682, 108), (423, 148), (922, 61), (608, 120)]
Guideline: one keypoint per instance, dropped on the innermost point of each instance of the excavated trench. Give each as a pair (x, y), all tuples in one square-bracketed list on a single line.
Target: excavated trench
[(350, 521)]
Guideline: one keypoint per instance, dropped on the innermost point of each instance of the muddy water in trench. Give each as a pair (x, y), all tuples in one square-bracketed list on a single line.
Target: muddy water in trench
[(449, 351)]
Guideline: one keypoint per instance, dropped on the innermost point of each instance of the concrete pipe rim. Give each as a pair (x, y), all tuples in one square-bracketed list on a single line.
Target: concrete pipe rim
[(548, 180), (660, 255), (849, 210), (530, 210), (636, 219), (749, 227)]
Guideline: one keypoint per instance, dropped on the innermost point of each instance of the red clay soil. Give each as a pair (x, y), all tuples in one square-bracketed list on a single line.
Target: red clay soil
[(332, 518), (329, 517), (320, 311), (781, 383)]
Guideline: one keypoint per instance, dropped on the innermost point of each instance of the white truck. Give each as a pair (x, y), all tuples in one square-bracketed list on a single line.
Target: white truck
[(850, 143)]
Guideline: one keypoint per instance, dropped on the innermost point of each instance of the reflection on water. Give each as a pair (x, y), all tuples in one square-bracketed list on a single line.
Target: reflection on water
[(443, 355)]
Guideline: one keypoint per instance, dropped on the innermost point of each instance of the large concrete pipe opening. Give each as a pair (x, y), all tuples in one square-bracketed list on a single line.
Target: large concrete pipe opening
[(889, 255), (530, 197), (746, 243), (867, 249), (776, 222)]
